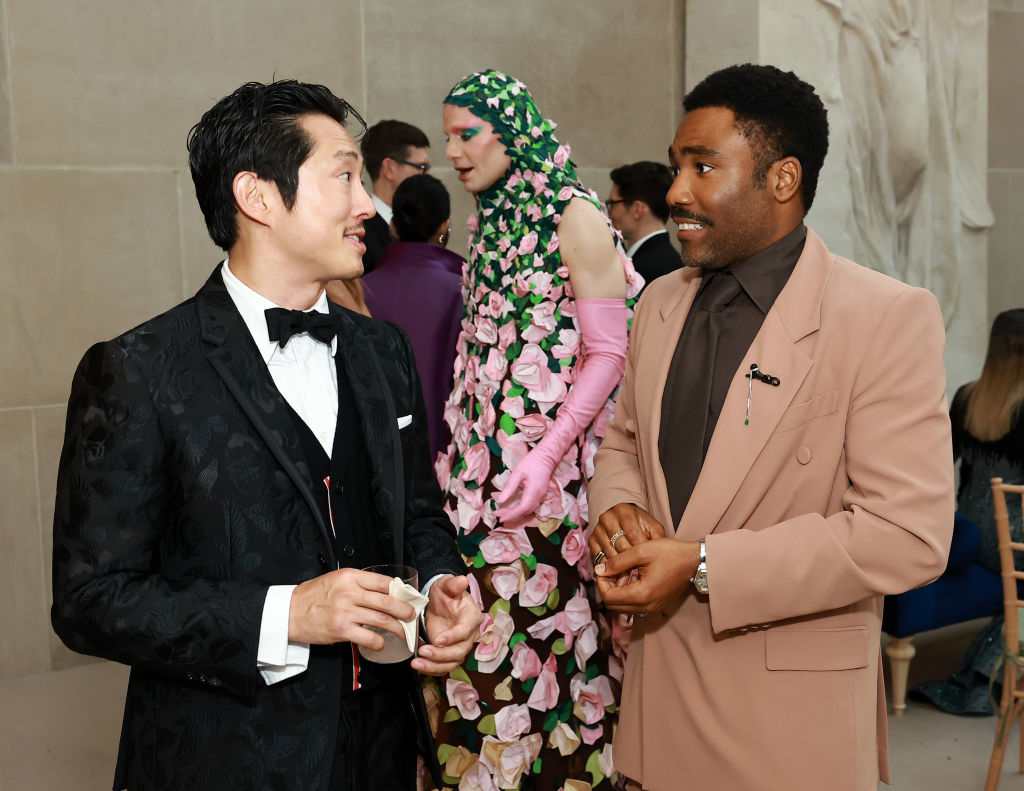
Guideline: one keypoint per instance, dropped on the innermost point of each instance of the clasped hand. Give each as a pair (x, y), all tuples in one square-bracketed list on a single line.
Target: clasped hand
[(336, 607), (663, 566)]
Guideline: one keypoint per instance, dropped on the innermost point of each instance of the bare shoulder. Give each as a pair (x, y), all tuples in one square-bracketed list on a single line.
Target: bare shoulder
[(581, 222)]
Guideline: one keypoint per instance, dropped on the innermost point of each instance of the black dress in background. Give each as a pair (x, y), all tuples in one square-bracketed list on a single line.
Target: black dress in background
[(967, 691)]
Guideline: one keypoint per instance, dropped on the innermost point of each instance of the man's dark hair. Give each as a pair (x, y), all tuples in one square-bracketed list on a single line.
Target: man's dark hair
[(257, 128), (420, 205), (778, 113), (389, 139), (645, 181)]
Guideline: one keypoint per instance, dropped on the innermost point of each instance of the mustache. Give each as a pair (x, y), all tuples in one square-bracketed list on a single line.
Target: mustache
[(679, 214)]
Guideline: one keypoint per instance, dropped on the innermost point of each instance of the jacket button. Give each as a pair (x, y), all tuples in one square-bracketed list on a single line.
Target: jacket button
[(803, 454), (349, 550), (322, 560), (190, 676), (202, 678), (214, 682)]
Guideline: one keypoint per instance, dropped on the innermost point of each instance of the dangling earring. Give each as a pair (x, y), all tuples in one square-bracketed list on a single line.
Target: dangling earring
[(443, 238)]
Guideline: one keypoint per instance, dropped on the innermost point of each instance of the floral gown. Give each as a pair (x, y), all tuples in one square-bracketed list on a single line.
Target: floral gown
[(533, 706), (537, 697)]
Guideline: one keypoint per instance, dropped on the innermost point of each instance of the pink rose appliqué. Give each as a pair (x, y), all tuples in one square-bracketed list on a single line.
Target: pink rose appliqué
[(564, 738), (529, 243), (506, 335), (486, 331), (590, 698), (464, 697), (511, 722), (496, 365), (471, 506), (478, 778), (478, 463), (525, 662), (533, 426), (586, 644), (507, 580), (530, 368), (544, 696), (543, 315), (575, 548), (505, 544), (513, 407), (493, 646), (513, 448), (536, 590)]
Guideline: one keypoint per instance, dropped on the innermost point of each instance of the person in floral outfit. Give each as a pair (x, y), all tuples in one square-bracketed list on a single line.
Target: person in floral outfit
[(540, 354)]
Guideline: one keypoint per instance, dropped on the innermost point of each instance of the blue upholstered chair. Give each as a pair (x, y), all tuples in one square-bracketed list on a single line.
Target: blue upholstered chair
[(965, 591)]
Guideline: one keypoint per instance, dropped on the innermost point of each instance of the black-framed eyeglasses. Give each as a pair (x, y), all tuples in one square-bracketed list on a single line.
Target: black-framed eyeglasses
[(610, 202), (424, 167)]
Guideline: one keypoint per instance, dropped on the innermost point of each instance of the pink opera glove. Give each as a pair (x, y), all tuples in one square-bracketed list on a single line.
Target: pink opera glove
[(602, 324)]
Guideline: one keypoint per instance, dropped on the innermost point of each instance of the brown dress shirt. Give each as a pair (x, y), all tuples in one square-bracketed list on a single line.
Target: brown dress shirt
[(726, 315)]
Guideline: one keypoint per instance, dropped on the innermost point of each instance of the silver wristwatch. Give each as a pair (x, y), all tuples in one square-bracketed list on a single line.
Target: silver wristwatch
[(700, 579)]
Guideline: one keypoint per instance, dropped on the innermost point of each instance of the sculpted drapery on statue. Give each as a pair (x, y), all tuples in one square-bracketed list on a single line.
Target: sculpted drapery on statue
[(908, 77)]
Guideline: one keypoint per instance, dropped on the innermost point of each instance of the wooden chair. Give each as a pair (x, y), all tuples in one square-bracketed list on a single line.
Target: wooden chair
[(1011, 707)]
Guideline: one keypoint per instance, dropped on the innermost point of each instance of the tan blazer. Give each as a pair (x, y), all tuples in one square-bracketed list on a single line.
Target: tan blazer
[(839, 491)]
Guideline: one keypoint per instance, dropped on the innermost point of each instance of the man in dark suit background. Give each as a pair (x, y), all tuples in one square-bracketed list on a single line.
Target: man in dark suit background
[(636, 205), (231, 465), (392, 151)]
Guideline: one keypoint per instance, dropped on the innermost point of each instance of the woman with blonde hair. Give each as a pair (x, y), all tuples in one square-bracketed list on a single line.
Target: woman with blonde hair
[(988, 440), (988, 432)]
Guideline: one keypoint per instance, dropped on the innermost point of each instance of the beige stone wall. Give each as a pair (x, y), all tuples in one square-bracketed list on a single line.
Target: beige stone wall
[(1006, 156), (99, 228)]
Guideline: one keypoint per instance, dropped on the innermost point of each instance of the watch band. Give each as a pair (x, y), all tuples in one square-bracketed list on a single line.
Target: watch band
[(700, 578)]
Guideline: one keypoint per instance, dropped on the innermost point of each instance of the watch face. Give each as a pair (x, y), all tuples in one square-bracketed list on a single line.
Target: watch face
[(700, 580)]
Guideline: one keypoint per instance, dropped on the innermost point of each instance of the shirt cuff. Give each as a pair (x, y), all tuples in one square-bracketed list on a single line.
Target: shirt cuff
[(278, 658), (426, 592)]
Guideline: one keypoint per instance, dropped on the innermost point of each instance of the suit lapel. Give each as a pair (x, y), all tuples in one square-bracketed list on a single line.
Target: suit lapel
[(238, 362), (378, 420), (671, 315), (735, 444), (776, 349)]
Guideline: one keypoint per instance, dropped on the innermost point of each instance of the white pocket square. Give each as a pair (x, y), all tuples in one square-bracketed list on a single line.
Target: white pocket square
[(404, 421)]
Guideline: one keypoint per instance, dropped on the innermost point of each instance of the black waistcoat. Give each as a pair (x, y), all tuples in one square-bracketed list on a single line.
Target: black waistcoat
[(341, 487)]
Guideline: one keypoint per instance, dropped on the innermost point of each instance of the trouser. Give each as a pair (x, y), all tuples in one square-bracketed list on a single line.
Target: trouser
[(376, 745)]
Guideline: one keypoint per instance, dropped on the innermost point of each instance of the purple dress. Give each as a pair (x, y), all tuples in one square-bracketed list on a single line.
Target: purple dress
[(418, 286)]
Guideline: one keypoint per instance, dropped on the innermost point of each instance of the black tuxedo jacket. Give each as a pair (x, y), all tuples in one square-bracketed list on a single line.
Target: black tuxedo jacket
[(377, 237), (182, 494), (656, 257)]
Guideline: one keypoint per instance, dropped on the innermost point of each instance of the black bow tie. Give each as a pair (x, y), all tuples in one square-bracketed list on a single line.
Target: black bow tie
[(282, 324)]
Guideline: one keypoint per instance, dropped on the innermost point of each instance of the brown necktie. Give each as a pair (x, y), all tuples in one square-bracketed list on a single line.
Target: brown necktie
[(685, 430)]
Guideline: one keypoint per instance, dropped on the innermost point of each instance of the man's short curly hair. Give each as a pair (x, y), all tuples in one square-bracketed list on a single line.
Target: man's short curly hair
[(778, 113)]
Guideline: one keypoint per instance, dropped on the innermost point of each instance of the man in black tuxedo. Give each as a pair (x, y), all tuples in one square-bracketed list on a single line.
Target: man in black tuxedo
[(392, 151), (231, 465), (636, 206)]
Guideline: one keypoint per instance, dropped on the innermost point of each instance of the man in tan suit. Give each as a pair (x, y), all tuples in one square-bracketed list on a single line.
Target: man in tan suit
[(779, 460)]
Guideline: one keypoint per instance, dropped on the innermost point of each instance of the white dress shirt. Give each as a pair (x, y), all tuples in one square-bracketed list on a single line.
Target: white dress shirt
[(305, 374), (382, 209), (636, 245)]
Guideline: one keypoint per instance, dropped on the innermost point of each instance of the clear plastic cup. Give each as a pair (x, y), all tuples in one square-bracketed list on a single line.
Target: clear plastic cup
[(395, 648)]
